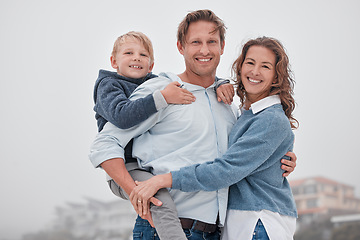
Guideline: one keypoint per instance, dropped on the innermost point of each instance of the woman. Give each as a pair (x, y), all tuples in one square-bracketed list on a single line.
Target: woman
[(260, 204)]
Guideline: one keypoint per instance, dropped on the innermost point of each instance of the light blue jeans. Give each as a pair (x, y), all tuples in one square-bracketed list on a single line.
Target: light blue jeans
[(260, 232)]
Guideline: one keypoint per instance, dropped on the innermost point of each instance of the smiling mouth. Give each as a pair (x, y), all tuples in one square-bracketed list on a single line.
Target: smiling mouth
[(203, 59), (137, 67), (254, 80)]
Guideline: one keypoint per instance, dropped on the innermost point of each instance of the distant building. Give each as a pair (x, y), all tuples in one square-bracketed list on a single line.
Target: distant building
[(315, 197), (344, 219), (97, 220), (319, 196)]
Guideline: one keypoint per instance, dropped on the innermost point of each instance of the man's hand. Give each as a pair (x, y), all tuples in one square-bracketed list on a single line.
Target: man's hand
[(225, 93), (148, 217), (288, 165)]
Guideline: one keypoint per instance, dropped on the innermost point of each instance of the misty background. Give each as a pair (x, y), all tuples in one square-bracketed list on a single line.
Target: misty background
[(50, 54)]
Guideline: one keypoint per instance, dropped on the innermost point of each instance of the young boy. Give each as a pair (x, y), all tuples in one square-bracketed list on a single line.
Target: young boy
[(133, 59)]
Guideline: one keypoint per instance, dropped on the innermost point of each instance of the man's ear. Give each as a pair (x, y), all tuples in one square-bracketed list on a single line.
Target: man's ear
[(222, 47), (180, 47), (113, 62)]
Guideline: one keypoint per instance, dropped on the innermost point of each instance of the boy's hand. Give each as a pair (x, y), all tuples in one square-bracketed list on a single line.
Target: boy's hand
[(225, 93), (174, 94)]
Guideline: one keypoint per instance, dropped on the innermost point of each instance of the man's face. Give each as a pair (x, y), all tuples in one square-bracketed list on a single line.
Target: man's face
[(202, 49)]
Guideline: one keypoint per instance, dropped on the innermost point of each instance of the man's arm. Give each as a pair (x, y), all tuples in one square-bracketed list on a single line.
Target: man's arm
[(288, 165), (116, 169)]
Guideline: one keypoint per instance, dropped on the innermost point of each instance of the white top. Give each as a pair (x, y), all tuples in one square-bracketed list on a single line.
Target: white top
[(241, 224)]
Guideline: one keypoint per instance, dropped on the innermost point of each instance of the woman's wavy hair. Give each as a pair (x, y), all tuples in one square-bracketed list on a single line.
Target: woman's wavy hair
[(284, 76)]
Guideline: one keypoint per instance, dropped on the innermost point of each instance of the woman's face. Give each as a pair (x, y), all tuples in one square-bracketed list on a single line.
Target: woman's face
[(258, 73)]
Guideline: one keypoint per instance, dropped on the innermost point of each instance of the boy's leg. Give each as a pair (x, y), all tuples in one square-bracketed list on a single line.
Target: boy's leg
[(165, 217), (117, 190)]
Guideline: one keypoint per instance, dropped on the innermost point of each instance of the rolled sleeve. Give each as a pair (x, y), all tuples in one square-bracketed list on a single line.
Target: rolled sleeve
[(103, 149), (107, 145)]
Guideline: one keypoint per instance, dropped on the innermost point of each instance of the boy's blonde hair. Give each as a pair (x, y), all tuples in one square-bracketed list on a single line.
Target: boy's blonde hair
[(134, 35)]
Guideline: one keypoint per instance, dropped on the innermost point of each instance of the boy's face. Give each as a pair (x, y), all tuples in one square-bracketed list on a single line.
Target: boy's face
[(132, 60)]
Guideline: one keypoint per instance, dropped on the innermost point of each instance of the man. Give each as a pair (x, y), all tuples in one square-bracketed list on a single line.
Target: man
[(180, 135)]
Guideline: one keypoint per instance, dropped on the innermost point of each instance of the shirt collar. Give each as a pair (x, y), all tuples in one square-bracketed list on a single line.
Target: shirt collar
[(265, 103)]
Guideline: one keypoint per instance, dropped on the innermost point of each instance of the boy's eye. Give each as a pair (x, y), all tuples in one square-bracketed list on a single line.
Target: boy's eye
[(144, 55), (128, 53)]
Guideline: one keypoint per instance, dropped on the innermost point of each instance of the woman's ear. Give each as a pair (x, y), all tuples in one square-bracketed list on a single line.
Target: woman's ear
[(275, 80)]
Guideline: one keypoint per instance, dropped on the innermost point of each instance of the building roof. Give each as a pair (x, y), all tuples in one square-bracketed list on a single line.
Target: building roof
[(318, 179)]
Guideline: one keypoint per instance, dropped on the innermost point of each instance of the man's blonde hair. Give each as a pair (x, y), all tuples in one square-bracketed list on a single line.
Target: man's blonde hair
[(134, 35), (201, 15)]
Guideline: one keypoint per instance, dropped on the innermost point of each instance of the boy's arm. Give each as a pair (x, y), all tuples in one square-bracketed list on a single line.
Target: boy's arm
[(174, 93), (113, 105), (224, 91)]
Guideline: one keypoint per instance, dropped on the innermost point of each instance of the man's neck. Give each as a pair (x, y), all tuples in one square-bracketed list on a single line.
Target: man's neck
[(203, 81)]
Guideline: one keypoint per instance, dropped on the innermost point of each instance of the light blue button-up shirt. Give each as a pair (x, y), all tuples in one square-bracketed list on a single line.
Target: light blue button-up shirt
[(174, 137)]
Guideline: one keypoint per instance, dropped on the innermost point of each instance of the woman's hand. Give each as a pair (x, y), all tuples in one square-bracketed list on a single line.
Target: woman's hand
[(142, 195)]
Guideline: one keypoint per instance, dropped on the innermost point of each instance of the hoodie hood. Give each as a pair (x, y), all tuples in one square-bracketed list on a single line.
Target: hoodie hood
[(105, 74)]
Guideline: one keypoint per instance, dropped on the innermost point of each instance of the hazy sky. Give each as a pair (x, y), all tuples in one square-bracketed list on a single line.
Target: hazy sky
[(51, 52)]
